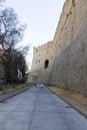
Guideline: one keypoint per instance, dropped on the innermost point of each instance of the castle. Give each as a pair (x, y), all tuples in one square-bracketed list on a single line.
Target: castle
[(63, 61)]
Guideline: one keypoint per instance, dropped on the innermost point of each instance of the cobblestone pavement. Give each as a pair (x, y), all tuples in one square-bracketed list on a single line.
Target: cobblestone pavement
[(39, 109)]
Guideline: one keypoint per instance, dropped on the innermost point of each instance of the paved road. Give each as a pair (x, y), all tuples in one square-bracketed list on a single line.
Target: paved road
[(39, 109)]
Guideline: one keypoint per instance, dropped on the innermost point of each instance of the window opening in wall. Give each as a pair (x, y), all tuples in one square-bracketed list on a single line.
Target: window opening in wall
[(46, 63), (36, 50), (37, 61)]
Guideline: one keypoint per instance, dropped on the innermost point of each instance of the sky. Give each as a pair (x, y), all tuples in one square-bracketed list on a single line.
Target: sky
[(41, 18)]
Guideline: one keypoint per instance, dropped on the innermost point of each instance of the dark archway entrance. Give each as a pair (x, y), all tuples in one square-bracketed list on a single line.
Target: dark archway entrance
[(46, 63)]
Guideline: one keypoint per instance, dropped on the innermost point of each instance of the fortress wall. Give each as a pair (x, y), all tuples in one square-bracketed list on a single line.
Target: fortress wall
[(67, 53), (73, 16), (61, 23), (70, 62), (40, 55)]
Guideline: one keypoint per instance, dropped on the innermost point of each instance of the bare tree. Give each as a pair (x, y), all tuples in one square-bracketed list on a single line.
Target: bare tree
[(11, 33)]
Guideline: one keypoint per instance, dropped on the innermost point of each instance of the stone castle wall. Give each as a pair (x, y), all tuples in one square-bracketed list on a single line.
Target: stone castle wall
[(67, 53), (42, 63)]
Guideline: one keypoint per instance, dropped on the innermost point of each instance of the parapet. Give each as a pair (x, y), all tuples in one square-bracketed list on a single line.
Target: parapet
[(43, 47)]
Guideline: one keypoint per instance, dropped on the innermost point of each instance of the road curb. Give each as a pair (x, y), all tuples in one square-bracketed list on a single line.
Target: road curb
[(10, 94)]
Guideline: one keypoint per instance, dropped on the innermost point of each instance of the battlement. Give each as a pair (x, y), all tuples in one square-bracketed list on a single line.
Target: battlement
[(44, 47)]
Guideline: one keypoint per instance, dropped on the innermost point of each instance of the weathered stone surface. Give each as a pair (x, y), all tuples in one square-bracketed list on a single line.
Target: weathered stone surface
[(67, 53)]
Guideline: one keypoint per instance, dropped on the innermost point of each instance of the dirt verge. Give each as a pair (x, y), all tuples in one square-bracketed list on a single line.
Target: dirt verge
[(77, 100)]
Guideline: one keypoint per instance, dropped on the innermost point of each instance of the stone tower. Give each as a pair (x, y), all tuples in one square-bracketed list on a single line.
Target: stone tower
[(42, 63)]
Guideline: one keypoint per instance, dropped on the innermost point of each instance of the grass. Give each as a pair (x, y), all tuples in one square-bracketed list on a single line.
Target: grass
[(10, 87), (61, 89)]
